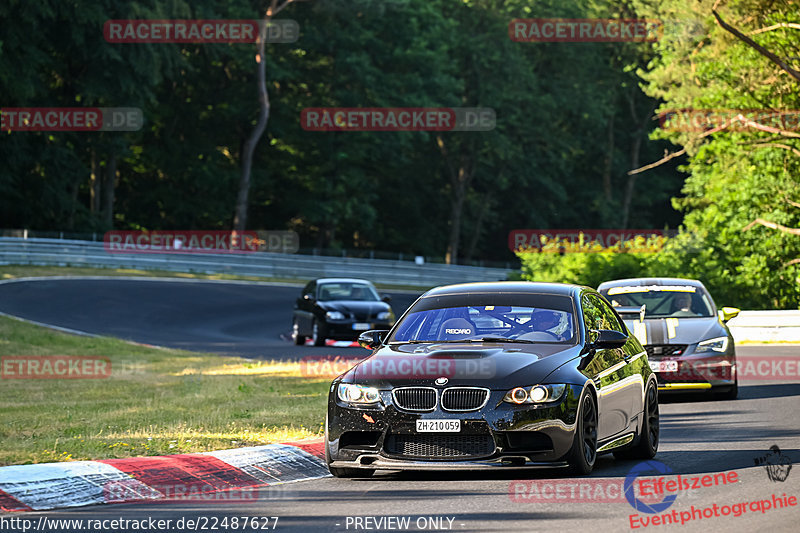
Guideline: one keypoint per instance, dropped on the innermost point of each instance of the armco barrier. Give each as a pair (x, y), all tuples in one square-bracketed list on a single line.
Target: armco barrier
[(57, 252), (766, 326), (753, 326)]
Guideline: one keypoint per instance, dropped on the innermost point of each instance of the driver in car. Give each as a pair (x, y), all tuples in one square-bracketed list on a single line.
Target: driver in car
[(357, 293), (682, 305), (544, 320)]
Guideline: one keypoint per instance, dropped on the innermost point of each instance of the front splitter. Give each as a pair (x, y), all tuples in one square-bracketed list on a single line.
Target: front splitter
[(375, 462)]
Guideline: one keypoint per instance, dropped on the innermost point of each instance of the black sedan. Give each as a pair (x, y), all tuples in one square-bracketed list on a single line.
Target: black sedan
[(488, 375), (688, 344), (339, 309)]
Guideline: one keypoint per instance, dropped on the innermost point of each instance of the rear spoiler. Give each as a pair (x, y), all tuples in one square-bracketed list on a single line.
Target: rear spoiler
[(631, 312)]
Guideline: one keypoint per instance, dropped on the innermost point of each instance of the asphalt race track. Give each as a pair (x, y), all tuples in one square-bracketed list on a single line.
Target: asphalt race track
[(251, 320), (698, 435)]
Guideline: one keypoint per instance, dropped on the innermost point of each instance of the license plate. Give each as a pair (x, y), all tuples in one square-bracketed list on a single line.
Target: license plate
[(360, 325), (438, 426), (664, 366)]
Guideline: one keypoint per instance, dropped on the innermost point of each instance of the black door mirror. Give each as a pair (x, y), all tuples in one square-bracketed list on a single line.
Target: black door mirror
[(607, 338), (372, 339), (386, 298)]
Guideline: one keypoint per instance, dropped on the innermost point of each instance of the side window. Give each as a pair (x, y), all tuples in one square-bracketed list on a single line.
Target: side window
[(610, 320), (592, 316)]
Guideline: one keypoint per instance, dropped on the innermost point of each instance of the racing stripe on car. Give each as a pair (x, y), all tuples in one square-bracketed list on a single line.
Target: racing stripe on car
[(657, 330), (672, 325), (640, 332)]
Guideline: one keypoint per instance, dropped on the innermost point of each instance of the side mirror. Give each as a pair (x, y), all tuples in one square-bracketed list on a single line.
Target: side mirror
[(607, 338), (372, 339), (727, 313), (386, 298), (309, 297)]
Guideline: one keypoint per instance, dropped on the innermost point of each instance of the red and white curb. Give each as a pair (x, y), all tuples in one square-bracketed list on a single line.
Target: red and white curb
[(226, 475)]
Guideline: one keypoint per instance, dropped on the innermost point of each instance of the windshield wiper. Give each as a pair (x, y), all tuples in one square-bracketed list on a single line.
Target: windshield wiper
[(482, 339), (501, 339)]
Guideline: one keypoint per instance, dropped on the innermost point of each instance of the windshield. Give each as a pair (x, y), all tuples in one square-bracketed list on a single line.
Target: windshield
[(544, 318), (662, 301), (347, 291)]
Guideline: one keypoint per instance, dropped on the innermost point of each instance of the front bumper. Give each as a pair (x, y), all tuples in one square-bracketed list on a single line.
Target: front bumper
[(496, 436), (344, 331), (697, 372)]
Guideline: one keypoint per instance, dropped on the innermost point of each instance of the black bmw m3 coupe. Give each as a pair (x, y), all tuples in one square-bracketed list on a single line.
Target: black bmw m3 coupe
[(492, 375)]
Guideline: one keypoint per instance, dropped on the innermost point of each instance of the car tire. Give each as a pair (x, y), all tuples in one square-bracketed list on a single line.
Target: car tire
[(318, 333), (647, 446), (343, 472), (299, 340), (583, 454)]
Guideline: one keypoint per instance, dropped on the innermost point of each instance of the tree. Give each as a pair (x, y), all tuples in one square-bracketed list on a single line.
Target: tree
[(240, 219), (741, 170)]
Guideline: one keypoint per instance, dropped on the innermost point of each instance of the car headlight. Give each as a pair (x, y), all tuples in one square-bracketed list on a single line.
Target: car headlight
[(384, 315), (535, 394), (334, 315), (351, 393), (719, 344)]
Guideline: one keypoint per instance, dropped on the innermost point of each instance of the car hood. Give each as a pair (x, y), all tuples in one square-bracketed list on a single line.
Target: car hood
[(675, 330), (491, 365), (355, 308)]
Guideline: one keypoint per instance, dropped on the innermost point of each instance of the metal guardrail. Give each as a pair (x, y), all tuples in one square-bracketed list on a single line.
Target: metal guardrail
[(766, 326), (360, 253), (57, 252), (748, 326)]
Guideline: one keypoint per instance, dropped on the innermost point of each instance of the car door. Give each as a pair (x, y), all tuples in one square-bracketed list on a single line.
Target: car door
[(631, 375), (607, 370), (303, 308)]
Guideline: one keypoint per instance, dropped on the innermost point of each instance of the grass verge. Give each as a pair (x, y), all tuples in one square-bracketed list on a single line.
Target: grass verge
[(155, 401)]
